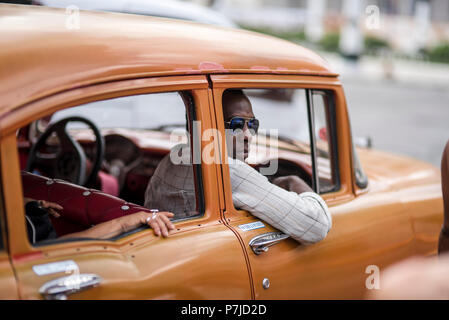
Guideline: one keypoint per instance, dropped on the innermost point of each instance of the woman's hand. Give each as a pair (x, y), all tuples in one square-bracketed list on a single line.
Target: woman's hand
[(159, 222)]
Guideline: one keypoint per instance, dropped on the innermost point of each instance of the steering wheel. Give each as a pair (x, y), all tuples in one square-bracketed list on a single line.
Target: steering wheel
[(287, 167), (69, 161)]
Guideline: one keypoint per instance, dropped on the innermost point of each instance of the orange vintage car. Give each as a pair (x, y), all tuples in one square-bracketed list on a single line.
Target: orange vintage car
[(90, 104)]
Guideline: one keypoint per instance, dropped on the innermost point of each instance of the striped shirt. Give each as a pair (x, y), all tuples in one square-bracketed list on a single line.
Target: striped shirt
[(305, 217)]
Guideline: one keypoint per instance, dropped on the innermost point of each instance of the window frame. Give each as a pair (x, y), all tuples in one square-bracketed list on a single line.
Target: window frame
[(311, 121), (331, 125), (199, 190), (339, 117)]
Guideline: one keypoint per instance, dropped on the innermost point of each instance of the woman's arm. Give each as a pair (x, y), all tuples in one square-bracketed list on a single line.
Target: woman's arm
[(161, 224)]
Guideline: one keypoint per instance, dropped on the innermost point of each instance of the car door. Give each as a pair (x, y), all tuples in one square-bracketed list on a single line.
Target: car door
[(201, 259), (347, 262)]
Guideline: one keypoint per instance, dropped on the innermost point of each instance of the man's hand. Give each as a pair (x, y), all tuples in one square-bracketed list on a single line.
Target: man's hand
[(51, 207), (161, 223), (292, 183)]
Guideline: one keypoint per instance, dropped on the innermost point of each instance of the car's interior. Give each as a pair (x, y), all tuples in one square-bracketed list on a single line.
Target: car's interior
[(101, 172), (94, 180)]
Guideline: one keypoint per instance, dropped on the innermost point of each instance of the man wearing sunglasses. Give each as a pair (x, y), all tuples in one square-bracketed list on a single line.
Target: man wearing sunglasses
[(288, 204)]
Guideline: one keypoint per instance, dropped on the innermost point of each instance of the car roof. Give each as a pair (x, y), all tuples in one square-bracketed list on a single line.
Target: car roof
[(167, 8), (41, 53)]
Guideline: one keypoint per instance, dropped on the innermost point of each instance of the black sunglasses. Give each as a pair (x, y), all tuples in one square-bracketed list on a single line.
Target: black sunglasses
[(239, 123)]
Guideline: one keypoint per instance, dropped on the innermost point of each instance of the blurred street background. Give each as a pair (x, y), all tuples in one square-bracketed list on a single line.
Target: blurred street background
[(392, 55)]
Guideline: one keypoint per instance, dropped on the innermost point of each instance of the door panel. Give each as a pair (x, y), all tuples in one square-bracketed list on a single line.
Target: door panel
[(8, 283), (7, 279), (201, 263), (335, 268)]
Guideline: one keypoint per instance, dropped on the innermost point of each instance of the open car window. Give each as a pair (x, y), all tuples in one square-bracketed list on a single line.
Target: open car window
[(296, 134), (132, 112), (133, 171)]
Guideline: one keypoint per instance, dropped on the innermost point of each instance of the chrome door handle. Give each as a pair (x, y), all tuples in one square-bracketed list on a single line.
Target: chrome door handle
[(260, 243), (60, 288)]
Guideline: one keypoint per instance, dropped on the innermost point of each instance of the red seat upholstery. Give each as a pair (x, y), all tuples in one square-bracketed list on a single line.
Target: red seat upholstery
[(109, 183), (83, 207)]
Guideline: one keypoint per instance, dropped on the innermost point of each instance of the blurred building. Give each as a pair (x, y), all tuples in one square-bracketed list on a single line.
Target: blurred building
[(439, 8), (407, 25)]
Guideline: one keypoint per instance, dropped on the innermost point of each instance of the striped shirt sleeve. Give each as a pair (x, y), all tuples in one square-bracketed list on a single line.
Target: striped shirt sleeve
[(305, 217)]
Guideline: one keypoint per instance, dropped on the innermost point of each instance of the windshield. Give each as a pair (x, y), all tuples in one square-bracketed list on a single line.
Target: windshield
[(133, 112)]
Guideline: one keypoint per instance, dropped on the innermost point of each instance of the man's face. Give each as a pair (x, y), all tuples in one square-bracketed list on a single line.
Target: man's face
[(237, 105)]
